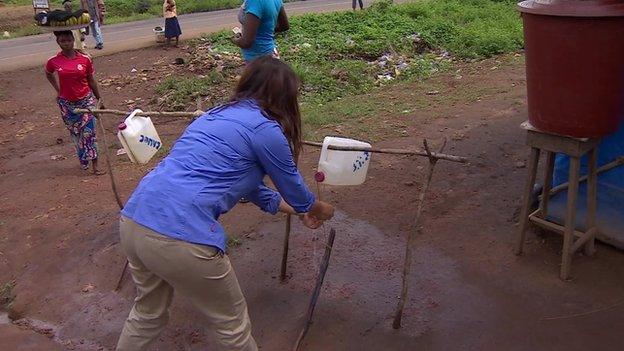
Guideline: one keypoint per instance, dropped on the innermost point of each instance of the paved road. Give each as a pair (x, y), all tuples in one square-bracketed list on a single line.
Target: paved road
[(34, 50)]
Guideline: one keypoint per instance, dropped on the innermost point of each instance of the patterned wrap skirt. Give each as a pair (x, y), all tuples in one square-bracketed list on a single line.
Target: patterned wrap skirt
[(81, 127)]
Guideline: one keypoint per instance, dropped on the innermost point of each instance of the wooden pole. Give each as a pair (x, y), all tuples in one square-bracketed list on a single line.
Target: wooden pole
[(113, 184), (286, 239), (108, 163), (606, 167), (396, 324), (451, 158), (144, 113), (436, 155), (317, 288), (526, 199), (285, 249)]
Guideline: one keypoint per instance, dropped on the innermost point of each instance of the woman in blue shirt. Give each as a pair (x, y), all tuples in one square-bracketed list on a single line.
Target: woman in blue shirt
[(169, 227), (260, 19)]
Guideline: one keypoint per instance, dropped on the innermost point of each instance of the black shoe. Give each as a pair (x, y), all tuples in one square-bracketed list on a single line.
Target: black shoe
[(243, 200), (99, 46)]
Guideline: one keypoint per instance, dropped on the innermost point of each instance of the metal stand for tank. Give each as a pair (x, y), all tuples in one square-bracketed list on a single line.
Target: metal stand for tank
[(575, 148)]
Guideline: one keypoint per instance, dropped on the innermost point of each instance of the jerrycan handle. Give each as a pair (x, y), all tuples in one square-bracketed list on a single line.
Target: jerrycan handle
[(325, 150), (133, 114)]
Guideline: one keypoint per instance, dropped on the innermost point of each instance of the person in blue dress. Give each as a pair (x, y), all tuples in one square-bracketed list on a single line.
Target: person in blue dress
[(260, 20), (172, 26), (170, 227)]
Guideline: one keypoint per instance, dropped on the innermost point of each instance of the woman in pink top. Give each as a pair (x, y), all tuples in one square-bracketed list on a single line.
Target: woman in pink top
[(76, 87)]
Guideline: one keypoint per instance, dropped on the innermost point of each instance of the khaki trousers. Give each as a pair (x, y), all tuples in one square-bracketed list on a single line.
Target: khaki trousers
[(160, 265)]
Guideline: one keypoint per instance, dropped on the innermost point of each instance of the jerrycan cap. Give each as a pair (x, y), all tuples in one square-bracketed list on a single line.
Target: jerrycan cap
[(319, 176), (122, 126)]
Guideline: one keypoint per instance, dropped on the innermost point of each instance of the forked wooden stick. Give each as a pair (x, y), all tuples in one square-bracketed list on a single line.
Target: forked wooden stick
[(285, 249), (108, 163), (317, 289), (112, 181), (396, 324)]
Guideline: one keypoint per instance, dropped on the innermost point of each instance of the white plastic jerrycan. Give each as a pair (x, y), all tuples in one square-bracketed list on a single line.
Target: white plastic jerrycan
[(337, 167), (139, 137)]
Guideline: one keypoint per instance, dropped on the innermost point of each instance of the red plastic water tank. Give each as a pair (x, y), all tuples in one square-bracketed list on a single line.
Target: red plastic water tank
[(574, 65)]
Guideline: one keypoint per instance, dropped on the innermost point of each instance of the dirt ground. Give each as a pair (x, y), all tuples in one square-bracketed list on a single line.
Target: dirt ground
[(59, 241)]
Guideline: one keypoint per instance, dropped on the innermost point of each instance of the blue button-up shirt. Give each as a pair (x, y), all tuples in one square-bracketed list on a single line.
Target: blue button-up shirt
[(221, 157)]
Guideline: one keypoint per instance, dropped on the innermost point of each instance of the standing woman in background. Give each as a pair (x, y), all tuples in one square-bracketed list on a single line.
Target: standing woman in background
[(172, 26), (76, 88), (361, 4), (260, 19), (96, 10), (78, 33)]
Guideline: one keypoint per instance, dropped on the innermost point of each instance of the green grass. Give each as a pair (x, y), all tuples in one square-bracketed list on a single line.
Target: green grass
[(6, 295), (30, 29), (468, 28), (234, 241), (183, 90), (337, 54)]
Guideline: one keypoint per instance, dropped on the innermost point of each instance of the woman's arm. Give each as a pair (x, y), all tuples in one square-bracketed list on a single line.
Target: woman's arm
[(273, 153), (271, 201), (250, 28), (282, 21), (53, 82), (93, 85)]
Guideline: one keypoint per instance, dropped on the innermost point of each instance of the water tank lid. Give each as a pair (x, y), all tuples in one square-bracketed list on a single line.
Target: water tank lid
[(573, 8)]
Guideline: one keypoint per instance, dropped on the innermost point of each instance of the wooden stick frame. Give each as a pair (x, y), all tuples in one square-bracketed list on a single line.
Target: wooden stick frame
[(407, 264), (432, 156), (423, 153)]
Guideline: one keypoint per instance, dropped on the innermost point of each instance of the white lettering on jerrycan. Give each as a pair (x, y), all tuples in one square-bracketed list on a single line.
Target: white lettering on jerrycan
[(139, 138)]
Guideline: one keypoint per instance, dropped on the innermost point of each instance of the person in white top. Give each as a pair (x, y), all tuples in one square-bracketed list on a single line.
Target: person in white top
[(172, 26), (79, 34)]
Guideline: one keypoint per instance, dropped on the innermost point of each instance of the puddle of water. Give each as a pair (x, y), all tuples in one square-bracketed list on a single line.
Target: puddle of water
[(364, 273)]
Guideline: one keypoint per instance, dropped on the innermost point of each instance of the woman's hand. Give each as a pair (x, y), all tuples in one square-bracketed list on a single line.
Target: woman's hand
[(322, 211), (248, 32), (310, 221)]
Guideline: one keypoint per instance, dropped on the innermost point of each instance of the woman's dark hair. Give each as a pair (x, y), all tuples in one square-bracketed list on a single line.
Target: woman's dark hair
[(59, 33), (275, 87)]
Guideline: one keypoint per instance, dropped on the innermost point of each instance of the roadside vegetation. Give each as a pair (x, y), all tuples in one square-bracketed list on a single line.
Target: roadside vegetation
[(344, 54)]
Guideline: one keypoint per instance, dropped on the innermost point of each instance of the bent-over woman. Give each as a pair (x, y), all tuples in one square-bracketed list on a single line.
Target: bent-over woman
[(170, 227)]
